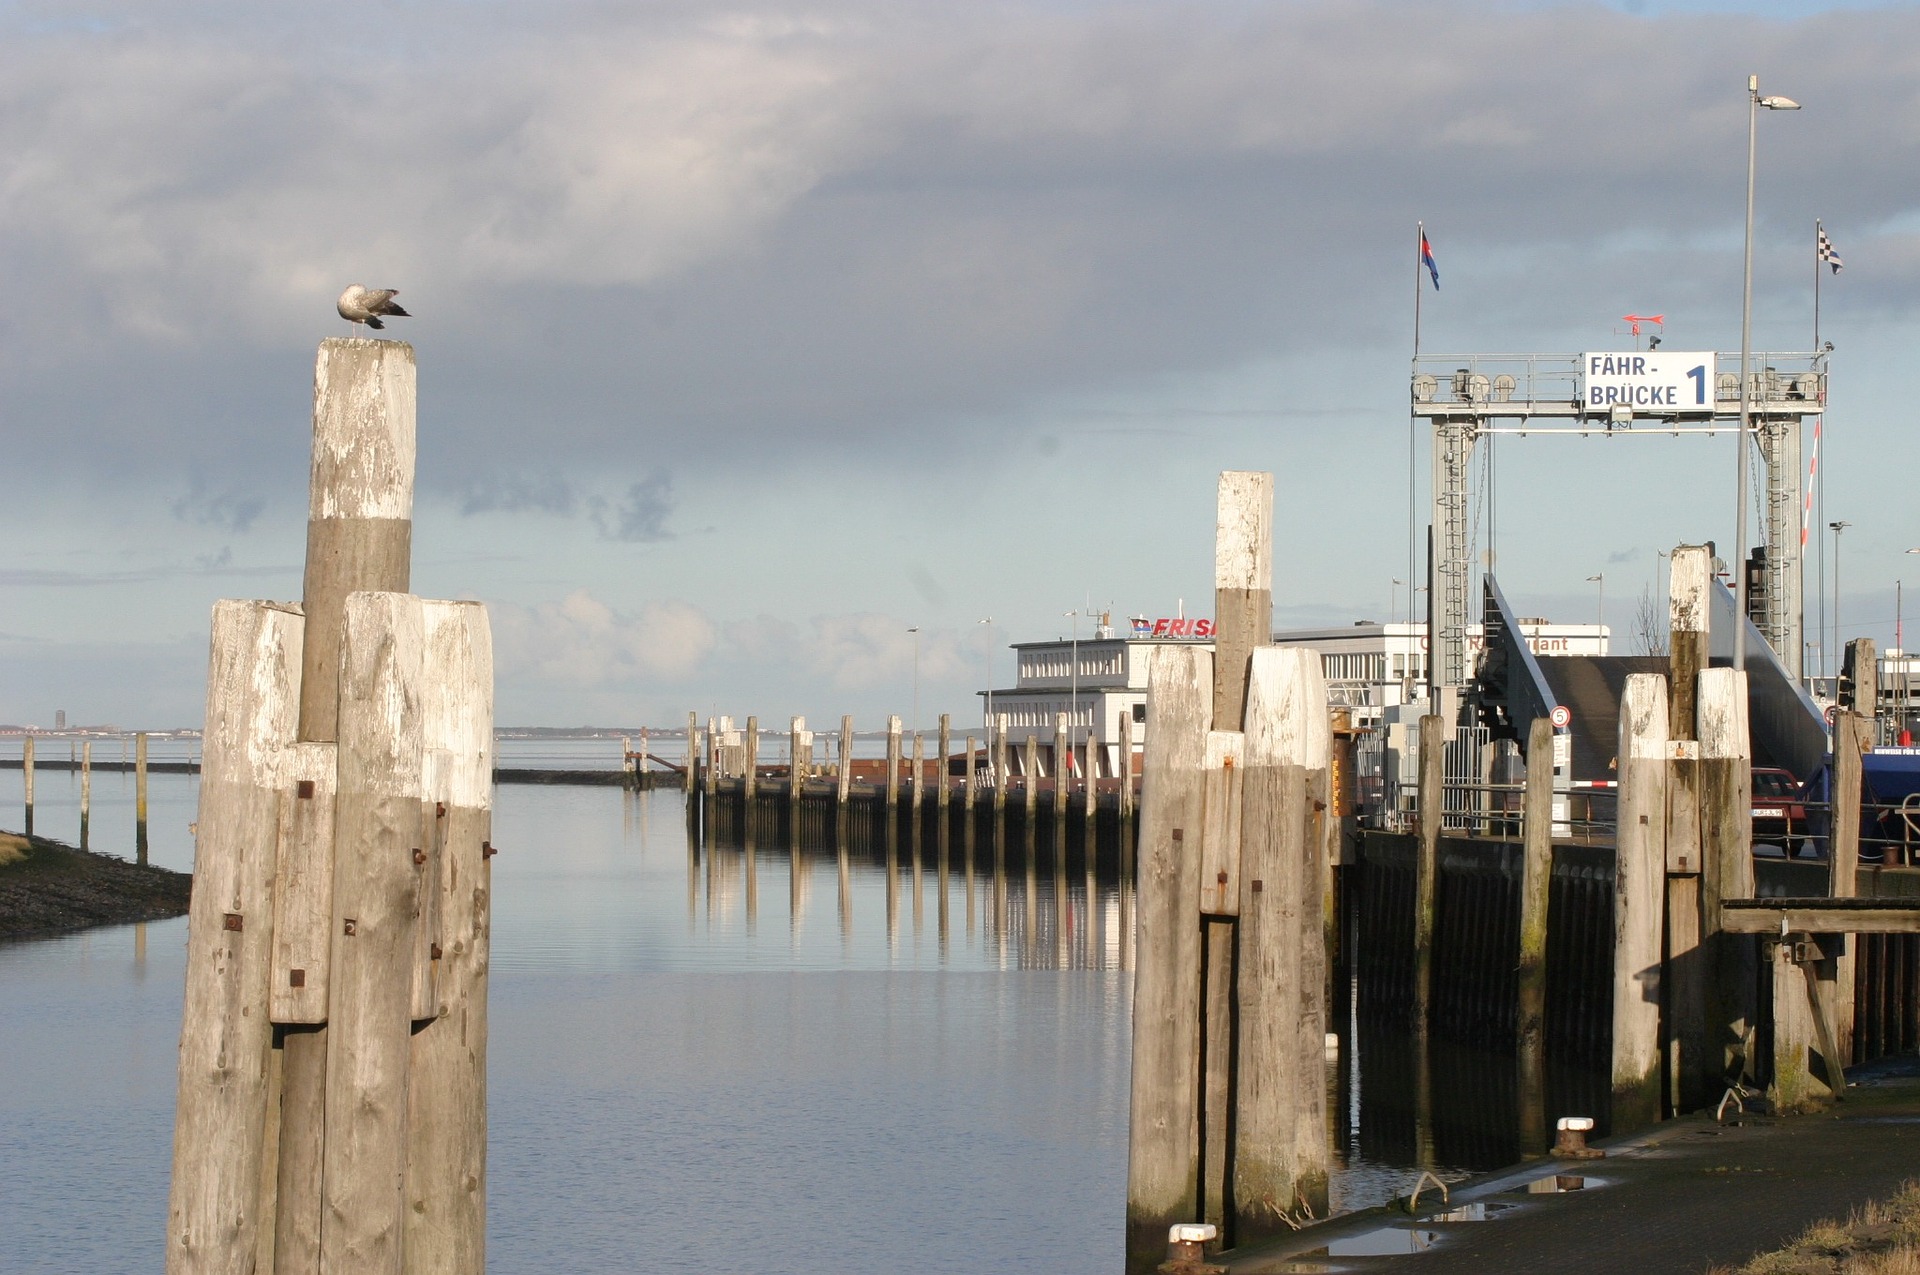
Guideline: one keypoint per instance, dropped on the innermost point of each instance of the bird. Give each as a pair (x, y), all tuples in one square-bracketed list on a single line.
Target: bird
[(366, 305)]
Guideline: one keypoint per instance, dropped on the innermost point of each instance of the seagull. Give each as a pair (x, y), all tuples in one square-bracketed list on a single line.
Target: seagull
[(366, 305)]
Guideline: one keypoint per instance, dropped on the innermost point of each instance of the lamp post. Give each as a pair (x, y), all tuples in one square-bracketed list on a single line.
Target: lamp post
[(989, 722), (915, 630), (1837, 528), (1600, 603), (1073, 679), (1754, 103)]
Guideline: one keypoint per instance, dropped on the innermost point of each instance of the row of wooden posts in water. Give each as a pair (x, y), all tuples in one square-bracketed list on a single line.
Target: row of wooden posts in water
[(723, 760), (84, 765)]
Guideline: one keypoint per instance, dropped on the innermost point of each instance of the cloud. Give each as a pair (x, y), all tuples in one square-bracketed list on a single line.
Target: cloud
[(642, 513), (229, 510), (514, 493), (581, 641)]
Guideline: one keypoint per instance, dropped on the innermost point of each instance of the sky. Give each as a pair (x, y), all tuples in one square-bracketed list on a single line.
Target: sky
[(753, 336)]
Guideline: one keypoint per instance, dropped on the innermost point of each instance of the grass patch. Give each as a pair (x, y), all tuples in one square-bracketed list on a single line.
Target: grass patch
[(1878, 1238), (12, 848)]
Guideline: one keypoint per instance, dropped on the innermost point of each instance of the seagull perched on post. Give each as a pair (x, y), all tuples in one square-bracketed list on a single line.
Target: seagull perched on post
[(366, 305)]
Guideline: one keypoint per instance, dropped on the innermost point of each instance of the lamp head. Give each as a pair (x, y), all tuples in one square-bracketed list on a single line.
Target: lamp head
[(1777, 103)]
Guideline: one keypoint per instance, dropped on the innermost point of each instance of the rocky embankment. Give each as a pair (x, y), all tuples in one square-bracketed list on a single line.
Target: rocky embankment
[(47, 887)]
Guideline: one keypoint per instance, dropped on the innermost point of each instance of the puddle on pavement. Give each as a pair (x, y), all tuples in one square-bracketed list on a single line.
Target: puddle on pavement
[(1560, 1184), (1478, 1211), (1388, 1241)]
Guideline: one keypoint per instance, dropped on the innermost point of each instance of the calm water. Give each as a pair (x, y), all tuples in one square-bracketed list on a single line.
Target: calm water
[(713, 1063)]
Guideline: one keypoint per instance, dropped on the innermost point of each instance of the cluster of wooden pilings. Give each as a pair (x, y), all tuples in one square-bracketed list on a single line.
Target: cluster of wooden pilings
[(732, 796), (84, 764), (1228, 1108), (332, 1090)]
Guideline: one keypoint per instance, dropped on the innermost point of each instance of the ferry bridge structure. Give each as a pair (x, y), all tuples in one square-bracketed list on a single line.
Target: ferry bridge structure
[(1617, 394)]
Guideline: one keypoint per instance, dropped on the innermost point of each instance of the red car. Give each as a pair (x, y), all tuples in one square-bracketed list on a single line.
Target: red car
[(1779, 814)]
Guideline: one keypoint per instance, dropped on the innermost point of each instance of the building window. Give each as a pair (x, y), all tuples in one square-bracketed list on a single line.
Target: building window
[(1140, 714)]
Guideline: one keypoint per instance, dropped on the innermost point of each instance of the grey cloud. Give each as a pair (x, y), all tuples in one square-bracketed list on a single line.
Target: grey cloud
[(641, 516), (228, 510), (514, 493)]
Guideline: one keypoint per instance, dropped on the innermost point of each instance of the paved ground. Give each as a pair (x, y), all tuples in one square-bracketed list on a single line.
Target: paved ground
[(1672, 1202)]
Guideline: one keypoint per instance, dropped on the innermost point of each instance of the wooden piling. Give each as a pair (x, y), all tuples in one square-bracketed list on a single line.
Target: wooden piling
[(999, 769), (846, 768), (140, 795), (1726, 865), (750, 774), (1062, 769), (966, 800), (360, 505), (303, 895), (1242, 587), (919, 782), (1426, 906), (693, 752), (376, 895), (946, 746), (893, 766), (1686, 977), (1030, 763), (1123, 748), (26, 774), (1852, 735), (796, 768), (221, 1113), (1639, 895), (1536, 880), (710, 767), (446, 1157), (86, 790), (1091, 787), (1280, 1152), (1163, 1166)]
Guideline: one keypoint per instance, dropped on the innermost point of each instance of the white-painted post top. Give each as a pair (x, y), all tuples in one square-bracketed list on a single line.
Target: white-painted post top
[(363, 430), (1722, 710), (1687, 589), (1243, 534), (1643, 718), (1299, 730)]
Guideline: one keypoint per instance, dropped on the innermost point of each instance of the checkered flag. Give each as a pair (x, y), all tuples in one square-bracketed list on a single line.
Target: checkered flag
[(1827, 254)]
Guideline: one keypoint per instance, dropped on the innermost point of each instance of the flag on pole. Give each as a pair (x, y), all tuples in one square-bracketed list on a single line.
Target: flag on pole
[(1826, 252), (1426, 259)]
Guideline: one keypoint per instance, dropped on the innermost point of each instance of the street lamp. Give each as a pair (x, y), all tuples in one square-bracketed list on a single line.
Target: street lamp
[(915, 630), (1754, 103), (1837, 528), (1073, 681), (1600, 605), (989, 722)]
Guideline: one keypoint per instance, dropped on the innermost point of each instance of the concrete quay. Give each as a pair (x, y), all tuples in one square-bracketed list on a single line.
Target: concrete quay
[(1673, 1200)]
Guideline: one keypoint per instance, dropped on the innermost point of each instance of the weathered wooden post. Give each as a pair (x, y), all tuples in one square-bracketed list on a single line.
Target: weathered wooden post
[(846, 772), (796, 768), (966, 800), (893, 769), (750, 773), (919, 778), (226, 1038), (1030, 763), (946, 747), (1000, 770), (690, 776), (140, 795), (446, 1183), (1062, 768), (1686, 977), (1536, 880), (26, 779), (86, 789), (1123, 752), (1163, 1150), (1639, 893), (1280, 1152), (1091, 787), (1426, 906), (1852, 735), (1726, 862)]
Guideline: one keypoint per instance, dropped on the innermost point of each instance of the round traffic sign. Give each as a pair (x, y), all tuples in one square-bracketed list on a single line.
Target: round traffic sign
[(1833, 713), (1561, 716)]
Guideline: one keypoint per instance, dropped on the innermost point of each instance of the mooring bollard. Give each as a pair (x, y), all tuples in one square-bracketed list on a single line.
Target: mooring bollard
[(1570, 1142), (1187, 1250)]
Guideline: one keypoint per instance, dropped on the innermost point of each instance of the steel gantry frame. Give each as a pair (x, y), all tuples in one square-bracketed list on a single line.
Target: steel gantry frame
[(1465, 397)]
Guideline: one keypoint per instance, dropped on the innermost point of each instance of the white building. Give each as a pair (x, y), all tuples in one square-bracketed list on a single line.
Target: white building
[(1100, 682)]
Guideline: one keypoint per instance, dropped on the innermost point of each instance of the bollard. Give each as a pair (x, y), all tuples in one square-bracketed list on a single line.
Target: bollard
[(1187, 1249), (1571, 1141)]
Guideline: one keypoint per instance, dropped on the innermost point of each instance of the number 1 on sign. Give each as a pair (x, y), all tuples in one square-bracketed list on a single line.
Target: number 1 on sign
[(1698, 375)]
